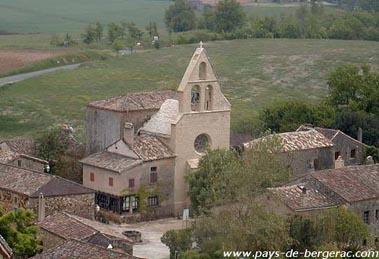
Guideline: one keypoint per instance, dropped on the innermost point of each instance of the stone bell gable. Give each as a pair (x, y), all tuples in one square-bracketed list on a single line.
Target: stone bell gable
[(199, 89)]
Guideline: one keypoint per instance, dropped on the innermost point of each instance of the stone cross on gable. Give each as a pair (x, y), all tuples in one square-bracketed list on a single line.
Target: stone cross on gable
[(201, 44)]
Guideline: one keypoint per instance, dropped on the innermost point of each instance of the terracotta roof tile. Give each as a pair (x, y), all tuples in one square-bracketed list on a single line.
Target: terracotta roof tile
[(135, 101), (21, 145), (5, 247), (303, 196), (8, 156), (352, 183), (32, 183), (67, 227), (75, 249), (111, 161), (149, 147), (296, 141)]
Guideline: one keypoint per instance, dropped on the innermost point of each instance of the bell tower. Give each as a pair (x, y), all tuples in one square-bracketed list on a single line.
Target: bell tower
[(203, 121), (199, 89)]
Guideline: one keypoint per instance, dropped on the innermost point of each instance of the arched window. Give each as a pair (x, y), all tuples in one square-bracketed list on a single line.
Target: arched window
[(208, 98), (203, 71), (195, 98)]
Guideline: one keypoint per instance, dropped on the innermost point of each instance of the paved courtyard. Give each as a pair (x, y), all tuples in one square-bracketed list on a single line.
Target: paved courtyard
[(152, 231)]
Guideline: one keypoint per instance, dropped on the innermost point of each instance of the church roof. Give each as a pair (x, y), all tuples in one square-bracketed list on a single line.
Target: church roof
[(135, 101), (149, 147), (31, 183)]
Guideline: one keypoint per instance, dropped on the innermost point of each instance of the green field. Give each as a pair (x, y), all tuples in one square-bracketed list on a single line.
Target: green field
[(57, 16), (252, 73)]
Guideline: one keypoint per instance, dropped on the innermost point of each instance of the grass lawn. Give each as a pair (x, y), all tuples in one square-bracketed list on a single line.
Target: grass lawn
[(252, 73)]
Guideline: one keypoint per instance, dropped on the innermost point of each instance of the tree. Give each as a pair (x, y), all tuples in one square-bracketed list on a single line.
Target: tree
[(151, 28), (89, 34), (18, 229), (134, 36), (177, 240), (284, 115), (99, 29), (180, 17), (52, 144), (229, 16), (115, 31)]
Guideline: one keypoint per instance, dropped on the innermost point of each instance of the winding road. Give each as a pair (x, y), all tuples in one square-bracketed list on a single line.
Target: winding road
[(20, 77)]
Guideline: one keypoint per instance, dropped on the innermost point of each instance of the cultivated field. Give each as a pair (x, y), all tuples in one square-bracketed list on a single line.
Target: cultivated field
[(12, 59), (252, 73), (57, 16)]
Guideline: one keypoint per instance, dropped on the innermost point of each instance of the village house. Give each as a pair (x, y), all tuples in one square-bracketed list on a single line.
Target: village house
[(356, 187), (5, 251), (350, 149), (43, 193), (142, 145), (60, 227), (21, 152), (302, 151), (81, 250)]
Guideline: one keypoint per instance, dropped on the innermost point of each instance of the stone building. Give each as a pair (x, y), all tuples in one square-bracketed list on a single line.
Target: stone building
[(5, 251), (303, 151), (22, 153), (153, 139), (60, 227), (43, 193), (23, 161), (81, 250), (356, 187), (351, 150)]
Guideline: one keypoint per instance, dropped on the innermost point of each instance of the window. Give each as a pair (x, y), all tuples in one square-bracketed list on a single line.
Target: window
[(92, 177), (153, 174), (152, 201), (110, 181), (201, 143), (19, 163), (131, 183), (126, 202), (203, 71), (208, 98), (336, 155), (195, 98), (366, 216), (316, 164), (353, 153), (377, 214)]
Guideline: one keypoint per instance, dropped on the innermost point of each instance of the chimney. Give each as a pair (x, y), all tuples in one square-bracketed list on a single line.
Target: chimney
[(129, 133), (41, 207), (339, 163), (369, 160), (360, 135)]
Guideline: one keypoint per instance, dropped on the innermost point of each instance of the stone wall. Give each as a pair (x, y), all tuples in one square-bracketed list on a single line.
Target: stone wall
[(302, 162), (50, 240), (10, 200), (29, 163), (344, 145), (81, 205)]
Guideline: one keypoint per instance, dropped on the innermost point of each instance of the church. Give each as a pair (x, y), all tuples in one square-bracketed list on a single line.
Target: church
[(141, 146)]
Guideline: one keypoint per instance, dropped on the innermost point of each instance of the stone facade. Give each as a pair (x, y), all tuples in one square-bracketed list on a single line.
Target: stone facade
[(186, 122), (30, 163), (82, 205), (303, 162)]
